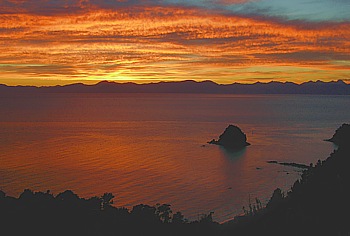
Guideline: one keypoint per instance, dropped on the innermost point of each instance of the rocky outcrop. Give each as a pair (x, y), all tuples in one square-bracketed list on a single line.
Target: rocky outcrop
[(232, 138), (293, 164)]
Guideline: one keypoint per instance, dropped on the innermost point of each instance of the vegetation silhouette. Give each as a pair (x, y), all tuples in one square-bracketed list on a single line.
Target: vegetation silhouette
[(317, 204), (42, 213)]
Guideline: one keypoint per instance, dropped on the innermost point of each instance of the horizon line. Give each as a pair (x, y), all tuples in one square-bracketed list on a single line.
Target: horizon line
[(345, 81)]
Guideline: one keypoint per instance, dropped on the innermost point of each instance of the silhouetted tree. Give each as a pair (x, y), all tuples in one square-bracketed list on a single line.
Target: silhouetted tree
[(68, 196), (145, 213), (178, 218), (26, 195), (206, 218), (106, 200), (277, 198), (164, 212)]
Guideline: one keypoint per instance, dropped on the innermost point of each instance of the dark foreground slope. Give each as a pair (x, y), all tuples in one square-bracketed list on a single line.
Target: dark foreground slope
[(318, 204)]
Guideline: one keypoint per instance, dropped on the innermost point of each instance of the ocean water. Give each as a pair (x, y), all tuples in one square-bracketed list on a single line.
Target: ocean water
[(151, 148)]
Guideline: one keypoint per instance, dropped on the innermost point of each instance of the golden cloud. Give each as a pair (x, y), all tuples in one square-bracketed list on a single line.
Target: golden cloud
[(162, 43)]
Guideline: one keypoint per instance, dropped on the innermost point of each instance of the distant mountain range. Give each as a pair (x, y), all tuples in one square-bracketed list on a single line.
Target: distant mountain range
[(189, 86)]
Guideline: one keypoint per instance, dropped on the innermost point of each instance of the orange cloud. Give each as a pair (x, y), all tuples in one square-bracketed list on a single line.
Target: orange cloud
[(166, 43)]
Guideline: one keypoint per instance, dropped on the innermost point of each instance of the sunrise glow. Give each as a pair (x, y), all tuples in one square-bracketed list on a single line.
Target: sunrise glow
[(49, 43)]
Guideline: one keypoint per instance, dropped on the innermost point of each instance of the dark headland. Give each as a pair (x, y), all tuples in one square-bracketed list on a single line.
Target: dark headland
[(341, 136), (317, 204), (189, 86)]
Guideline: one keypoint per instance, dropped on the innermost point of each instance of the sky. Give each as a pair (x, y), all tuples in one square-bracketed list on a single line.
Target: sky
[(56, 42)]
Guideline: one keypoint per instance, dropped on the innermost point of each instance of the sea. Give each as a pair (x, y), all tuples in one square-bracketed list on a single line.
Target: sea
[(152, 148)]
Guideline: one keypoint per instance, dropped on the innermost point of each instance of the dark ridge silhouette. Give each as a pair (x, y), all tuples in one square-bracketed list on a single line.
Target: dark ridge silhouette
[(317, 204), (232, 138), (189, 86)]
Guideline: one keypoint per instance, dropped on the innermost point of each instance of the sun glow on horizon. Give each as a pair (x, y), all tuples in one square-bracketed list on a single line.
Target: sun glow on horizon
[(167, 43)]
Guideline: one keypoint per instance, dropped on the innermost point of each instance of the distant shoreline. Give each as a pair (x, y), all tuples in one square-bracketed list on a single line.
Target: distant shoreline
[(191, 87)]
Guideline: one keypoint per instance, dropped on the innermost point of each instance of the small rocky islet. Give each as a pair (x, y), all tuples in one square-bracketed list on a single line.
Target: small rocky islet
[(232, 138)]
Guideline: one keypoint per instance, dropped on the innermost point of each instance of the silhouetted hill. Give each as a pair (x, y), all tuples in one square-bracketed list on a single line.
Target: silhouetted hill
[(189, 86), (317, 204)]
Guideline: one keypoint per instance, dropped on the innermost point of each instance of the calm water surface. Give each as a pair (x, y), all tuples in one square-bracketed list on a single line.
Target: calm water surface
[(148, 148)]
